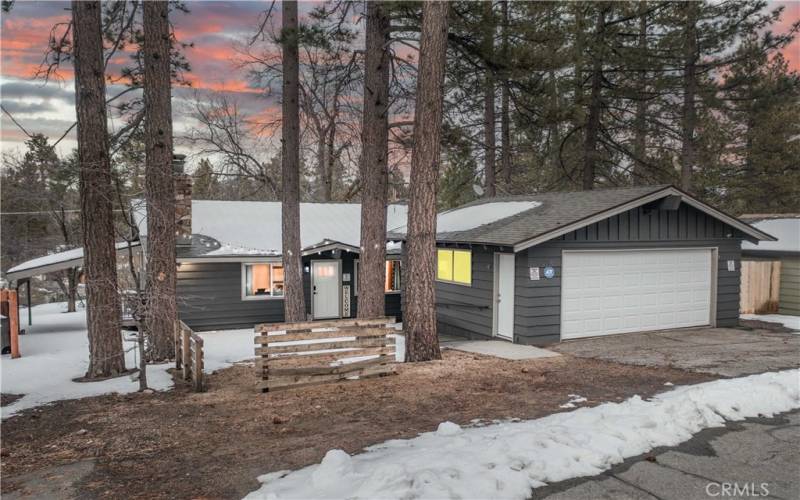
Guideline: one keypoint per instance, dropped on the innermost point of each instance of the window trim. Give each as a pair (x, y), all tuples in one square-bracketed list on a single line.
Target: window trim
[(243, 287), (453, 282), (355, 276)]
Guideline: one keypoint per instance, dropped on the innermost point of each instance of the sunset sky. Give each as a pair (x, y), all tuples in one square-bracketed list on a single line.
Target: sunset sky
[(214, 27)]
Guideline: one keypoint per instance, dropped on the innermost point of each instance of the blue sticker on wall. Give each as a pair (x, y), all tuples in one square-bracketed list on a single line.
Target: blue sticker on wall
[(549, 272)]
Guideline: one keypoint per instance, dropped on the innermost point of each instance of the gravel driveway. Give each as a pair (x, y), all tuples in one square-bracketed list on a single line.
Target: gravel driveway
[(728, 352)]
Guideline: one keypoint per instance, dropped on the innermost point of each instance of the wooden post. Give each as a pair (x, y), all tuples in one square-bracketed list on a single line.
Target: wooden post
[(197, 364), (187, 353), (30, 308), (177, 339), (13, 321)]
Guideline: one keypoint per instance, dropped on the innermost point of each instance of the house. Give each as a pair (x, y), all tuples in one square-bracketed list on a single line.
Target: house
[(531, 269), (556, 266), (781, 259), (230, 273)]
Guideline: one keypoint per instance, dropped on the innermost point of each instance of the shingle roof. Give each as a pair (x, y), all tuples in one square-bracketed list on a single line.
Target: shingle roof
[(554, 210)]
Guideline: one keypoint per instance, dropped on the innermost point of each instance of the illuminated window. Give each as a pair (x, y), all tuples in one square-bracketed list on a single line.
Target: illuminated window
[(262, 281), (454, 266), (393, 281)]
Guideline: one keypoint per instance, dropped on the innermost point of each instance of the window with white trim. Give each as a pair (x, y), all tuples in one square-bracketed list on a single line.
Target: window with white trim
[(454, 266), (262, 281)]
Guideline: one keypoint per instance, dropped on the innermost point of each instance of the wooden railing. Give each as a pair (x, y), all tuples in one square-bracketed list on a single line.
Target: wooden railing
[(291, 355), (189, 355)]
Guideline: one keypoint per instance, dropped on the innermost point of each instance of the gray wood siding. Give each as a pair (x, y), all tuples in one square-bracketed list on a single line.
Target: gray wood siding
[(789, 295), (467, 310), (538, 303), (210, 296)]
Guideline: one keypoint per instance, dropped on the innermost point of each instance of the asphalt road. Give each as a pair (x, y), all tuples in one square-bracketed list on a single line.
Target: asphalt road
[(757, 458)]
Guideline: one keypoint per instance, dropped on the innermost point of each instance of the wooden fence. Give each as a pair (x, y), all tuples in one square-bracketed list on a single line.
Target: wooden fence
[(189, 355), (761, 281), (291, 355)]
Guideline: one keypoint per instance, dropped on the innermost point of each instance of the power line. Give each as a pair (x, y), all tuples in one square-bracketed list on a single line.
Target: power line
[(48, 212)]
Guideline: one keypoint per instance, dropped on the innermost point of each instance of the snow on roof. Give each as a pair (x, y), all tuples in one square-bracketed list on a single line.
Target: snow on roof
[(254, 227), (54, 259), (787, 230), (472, 216)]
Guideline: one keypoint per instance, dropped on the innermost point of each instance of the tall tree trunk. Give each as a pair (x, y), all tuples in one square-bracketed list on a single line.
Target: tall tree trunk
[(159, 184), (106, 357), (689, 115), (294, 306), (590, 153), (321, 165), (505, 120), (554, 133), (422, 342), (639, 164), (488, 103), (330, 159), (374, 165)]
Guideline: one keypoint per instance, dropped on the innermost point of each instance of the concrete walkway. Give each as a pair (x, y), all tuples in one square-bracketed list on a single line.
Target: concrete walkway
[(760, 457), (497, 348)]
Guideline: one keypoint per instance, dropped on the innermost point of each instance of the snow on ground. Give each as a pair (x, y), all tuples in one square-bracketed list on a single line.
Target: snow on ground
[(223, 348), (55, 350), (509, 459), (792, 322), (574, 399)]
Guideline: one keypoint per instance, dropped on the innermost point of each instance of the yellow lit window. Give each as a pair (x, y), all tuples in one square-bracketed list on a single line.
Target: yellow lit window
[(454, 266)]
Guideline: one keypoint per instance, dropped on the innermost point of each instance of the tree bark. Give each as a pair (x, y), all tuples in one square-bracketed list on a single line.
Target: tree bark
[(489, 143), (590, 154), (294, 306), (689, 114), (422, 342), (505, 120), (639, 163), (374, 165), (161, 312), (106, 357)]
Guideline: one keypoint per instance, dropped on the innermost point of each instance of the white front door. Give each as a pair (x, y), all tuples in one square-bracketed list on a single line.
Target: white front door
[(504, 295), (325, 286), (608, 292)]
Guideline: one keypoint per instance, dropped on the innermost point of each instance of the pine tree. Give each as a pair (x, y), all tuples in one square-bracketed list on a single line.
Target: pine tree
[(374, 164), (422, 342), (294, 302), (162, 312), (106, 357)]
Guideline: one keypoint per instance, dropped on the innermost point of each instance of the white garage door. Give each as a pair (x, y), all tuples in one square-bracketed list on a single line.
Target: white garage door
[(608, 292)]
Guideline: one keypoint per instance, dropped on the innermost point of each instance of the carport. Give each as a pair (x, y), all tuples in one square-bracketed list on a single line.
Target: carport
[(21, 274)]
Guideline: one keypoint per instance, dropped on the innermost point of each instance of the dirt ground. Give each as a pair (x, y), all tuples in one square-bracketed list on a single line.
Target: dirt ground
[(180, 444)]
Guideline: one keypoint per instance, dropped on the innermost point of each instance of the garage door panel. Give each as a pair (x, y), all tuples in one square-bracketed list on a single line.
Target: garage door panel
[(607, 292)]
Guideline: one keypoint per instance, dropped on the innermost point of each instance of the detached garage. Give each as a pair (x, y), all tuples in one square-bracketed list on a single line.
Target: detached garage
[(557, 266)]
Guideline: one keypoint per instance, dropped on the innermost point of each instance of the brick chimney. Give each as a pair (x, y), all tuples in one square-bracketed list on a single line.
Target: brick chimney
[(183, 200)]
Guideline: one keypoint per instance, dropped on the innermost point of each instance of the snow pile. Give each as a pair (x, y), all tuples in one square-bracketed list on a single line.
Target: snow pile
[(573, 400), (509, 459), (55, 350), (791, 322)]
